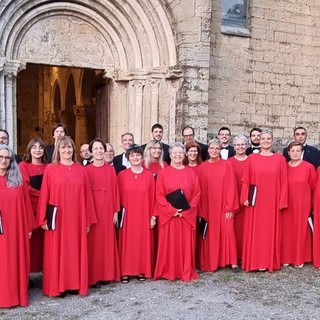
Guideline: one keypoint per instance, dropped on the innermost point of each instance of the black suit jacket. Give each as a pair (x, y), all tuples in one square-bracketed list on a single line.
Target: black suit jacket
[(18, 159), (249, 151), (50, 149), (204, 151), (231, 151), (311, 155)]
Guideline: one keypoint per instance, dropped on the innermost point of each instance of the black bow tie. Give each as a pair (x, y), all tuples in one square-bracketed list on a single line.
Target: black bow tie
[(224, 148), (255, 148)]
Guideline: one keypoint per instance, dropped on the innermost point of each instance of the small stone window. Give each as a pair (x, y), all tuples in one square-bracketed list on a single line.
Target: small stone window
[(234, 17)]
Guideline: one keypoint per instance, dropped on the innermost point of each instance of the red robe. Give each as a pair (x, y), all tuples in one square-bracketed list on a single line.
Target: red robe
[(102, 243), (218, 196), (155, 167), (135, 236), (296, 233), (238, 167), (316, 222), (262, 223), (65, 265), (17, 221), (176, 251), (28, 170)]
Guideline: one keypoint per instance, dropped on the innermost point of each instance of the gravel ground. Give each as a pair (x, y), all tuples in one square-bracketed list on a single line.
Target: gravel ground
[(287, 294)]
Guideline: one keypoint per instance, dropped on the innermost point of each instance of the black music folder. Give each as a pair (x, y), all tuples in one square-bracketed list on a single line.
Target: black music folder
[(121, 215), (36, 181), (252, 196), (51, 216), (1, 224), (202, 226), (178, 200)]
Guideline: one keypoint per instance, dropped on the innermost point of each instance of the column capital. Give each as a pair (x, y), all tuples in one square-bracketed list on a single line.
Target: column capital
[(12, 67)]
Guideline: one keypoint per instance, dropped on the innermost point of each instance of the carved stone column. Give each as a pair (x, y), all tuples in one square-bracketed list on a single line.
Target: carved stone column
[(81, 128), (10, 71), (136, 107), (154, 100)]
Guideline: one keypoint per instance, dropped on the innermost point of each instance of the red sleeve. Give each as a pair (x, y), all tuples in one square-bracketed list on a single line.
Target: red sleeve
[(283, 185), (30, 216), (33, 192), (191, 214), (245, 183), (231, 192), (43, 199), (115, 190)]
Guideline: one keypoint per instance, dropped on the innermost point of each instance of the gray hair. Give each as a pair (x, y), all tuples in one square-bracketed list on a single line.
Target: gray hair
[(13, 174), (176, 144), (240, 137), (266, 131), (215, 142)]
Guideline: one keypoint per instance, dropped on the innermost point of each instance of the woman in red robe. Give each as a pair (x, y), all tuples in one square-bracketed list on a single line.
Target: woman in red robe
[(136, 189), (66, 185), (267, 172), (102, 244), (296, 233), (193, 156), (219, 200), (153, 157), (16, 223), (238, 163), (176, 251), (32, 168)]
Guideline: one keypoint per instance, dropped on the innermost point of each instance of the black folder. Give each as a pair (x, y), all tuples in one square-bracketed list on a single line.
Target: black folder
[(36, 181), (51, 216), (1, 224), (310, 222), (202, 226), (252, 196), (178, 200), (121, 215)]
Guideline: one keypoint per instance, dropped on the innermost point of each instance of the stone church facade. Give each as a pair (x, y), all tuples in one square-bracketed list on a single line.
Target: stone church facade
[(109, 67)]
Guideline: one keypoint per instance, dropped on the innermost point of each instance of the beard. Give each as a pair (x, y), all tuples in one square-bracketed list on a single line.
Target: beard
[(255, 144)]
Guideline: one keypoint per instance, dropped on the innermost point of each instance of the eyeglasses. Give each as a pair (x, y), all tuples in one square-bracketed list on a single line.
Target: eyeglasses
[(4, 138), (240, 145), (6, 159)]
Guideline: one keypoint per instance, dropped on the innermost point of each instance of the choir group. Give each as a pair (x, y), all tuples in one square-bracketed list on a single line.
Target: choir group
[(155, 211)]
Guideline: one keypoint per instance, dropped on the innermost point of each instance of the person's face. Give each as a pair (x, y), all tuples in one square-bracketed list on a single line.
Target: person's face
[(66, 152), (4, 139), (84, 151), (5, 161), (109, 155), (266, 141), (37, 151), (59, 132), (295, 153), (135, 158), (98, 150), (214, 151), (188, 135), (155, 151), (127, 141), (192, 154), (240, 147), (300, 135), (157, 134), (255, 138), (224, 136), (177, 155)]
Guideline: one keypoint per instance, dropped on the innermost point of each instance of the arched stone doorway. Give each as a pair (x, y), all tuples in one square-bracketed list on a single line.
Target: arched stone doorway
[(132, 42)]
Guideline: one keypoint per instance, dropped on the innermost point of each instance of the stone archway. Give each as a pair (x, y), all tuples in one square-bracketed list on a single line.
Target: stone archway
[(132, 41)]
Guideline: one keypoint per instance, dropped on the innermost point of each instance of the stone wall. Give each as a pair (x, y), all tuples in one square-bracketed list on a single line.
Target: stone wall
[(272, 78)]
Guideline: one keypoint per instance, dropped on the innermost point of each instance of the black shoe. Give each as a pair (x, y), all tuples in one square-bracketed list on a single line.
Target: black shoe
[(62, 295), (236, 269), (31, 284), (97, 285), (73, 292), (104, 283)]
